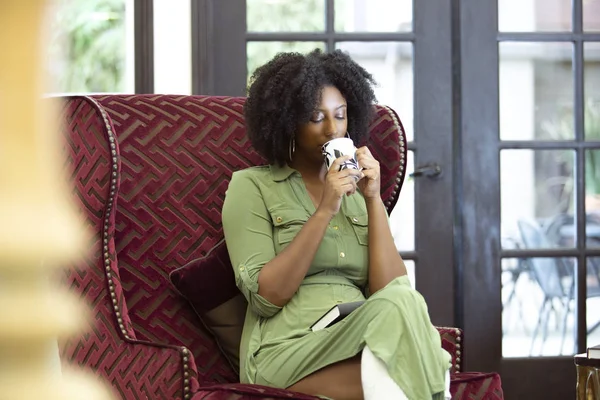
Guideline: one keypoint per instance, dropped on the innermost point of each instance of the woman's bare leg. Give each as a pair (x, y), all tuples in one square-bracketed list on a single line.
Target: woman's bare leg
[(344, 380), (339, 381)]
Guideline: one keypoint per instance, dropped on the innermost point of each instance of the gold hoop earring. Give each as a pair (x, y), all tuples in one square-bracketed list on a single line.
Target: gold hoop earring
[(292, 148)]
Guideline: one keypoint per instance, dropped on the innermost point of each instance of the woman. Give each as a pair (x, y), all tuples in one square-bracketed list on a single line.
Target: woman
[(302, 238)]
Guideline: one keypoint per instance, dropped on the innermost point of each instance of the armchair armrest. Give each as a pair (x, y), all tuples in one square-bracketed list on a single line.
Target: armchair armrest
[(452, 341), (135, 369)]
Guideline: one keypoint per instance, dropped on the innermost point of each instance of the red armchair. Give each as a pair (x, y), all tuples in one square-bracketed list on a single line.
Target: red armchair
[(149, 174)]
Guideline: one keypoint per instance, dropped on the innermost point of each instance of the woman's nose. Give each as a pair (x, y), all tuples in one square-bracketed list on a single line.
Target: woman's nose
[(331, 128)]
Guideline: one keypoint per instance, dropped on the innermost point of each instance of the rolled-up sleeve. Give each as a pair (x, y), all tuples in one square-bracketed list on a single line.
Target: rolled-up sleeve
[(249, 236)]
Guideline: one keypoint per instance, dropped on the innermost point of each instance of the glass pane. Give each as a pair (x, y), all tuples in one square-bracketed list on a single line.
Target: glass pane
[(592, 91), (391, 64), (593, 301), (410, 269), (532, 104), (91, 46), (591, 15), (172, 47), (377, 16), (538, 304), (592, 197), (534, 15), (259, 53), (537, 198), (402, 218), (285, 15)]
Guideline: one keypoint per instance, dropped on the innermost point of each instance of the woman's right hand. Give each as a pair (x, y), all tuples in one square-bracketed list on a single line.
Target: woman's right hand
[(337, 184)]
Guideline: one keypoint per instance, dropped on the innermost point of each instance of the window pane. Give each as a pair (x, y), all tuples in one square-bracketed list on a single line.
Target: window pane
[(591, 15), (91, 46), (532, 104), (592, 132), (402, 218), (285, 15), (592, 91), (537, 197), (261, 52), (593, 301), (534, 15), (538, 316), (391, 64), (377, 16), (172, 47), (592, 197)]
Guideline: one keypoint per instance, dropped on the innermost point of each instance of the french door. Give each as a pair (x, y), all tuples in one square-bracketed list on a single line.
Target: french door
[(503, 98), (530, 129)]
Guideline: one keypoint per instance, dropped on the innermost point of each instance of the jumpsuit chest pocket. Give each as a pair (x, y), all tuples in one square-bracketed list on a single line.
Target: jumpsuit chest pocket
[(287, 223), (360, 225)]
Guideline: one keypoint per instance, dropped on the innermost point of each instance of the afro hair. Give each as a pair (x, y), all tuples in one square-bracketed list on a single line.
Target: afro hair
[(285, 91)]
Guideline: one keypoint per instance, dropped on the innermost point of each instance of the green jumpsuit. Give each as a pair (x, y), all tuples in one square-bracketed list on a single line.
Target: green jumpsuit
[(265, 207)]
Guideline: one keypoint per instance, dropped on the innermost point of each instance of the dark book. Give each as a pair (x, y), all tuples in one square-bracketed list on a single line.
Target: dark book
[(594, 352), (335, 315)]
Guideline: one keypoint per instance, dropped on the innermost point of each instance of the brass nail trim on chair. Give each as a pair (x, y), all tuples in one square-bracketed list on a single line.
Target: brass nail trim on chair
[(400, 174)]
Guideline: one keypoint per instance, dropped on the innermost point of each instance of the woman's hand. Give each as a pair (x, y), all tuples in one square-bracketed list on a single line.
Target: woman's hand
[(337, 184), (370, 186)]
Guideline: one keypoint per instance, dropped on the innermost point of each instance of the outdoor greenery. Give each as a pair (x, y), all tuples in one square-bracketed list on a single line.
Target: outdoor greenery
[(87, 47), (563, 129), (592, 161), (285, 15)]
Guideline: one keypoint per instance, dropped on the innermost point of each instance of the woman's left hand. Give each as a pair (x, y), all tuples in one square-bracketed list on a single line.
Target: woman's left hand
[(370, 184)]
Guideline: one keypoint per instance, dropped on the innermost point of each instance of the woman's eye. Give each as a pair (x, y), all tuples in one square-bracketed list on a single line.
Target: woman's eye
[(316, 118), (342, 116)]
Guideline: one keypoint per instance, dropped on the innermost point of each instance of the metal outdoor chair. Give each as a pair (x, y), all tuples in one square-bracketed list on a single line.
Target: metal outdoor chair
[(547, 273), (556, 279)]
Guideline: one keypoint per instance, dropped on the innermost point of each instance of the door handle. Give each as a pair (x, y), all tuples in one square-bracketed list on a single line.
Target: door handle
[(432, 170)]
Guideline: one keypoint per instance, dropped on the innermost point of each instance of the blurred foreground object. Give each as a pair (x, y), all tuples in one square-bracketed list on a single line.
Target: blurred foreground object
[(39, 229)]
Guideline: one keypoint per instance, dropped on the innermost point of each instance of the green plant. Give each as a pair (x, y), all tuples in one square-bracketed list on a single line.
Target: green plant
[(592, 159), (87, 50), (563, 129)]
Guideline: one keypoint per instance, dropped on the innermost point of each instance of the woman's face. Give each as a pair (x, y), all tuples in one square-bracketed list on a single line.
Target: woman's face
[(328, 121)]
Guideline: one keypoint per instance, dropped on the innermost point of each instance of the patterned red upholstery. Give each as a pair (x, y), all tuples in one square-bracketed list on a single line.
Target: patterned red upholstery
[(476, 386), (109, 346), (149, 175)]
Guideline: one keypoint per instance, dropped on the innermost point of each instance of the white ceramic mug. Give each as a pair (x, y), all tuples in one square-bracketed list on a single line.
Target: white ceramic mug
[(336, 148)]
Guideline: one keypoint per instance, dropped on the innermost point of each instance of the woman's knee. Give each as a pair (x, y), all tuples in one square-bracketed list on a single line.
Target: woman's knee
[(396, 294)]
